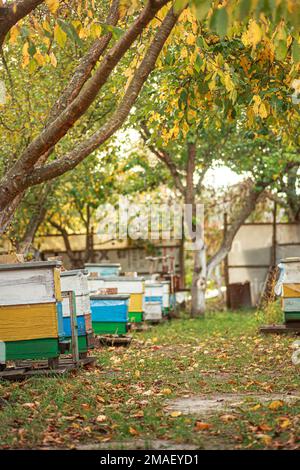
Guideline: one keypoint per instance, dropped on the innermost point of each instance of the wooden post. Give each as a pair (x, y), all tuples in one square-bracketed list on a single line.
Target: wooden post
[(226, 269), (181, 257), (70, 295), (274, 236)]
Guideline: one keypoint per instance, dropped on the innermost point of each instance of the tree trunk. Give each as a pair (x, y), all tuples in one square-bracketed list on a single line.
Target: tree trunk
[(36, 220), (196, 235), (199, 282)]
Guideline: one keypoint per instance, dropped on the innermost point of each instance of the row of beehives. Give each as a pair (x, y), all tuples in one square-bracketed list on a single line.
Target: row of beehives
[(288, 286), (38, 303), (147, 300)]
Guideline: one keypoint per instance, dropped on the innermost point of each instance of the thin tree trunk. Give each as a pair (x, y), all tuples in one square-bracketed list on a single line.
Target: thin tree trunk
[(196, 235)]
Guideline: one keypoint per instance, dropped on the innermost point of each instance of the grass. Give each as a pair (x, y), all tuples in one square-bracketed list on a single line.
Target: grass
[(124, 397)]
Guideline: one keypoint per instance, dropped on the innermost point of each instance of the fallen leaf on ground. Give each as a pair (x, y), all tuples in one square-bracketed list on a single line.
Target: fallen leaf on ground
[(275, 404), (175, 414), (227, 418), (201, 426), (133, 431), (101, 418)]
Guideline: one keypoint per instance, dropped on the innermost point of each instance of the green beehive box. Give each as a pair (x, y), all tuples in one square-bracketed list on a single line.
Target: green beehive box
[(135, 317), (110, 328)]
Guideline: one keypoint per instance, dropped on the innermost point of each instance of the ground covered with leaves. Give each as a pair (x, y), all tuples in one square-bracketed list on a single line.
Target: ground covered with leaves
[(141, 395)]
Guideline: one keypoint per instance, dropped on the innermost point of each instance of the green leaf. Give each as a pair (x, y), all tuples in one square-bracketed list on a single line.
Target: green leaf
[(296, 51), (219, 21), (202, 8), (198, 63), (71, 32), (180, 5), (281, 50), (245, 7)]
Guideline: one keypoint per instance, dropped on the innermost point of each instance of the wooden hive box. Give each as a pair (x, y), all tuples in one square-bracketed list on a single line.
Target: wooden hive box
[(153, 311), (104, 269), (290, 290), (76, 281), (132, 286), (30, 315), (110, 314)]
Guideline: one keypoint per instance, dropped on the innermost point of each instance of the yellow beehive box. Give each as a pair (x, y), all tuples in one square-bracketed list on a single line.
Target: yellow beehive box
[(290, 290), (136, 303), (27, 322)]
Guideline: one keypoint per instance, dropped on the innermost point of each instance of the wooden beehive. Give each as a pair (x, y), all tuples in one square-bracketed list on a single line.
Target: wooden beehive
[(30, 314), (110, 314), (77, 282)]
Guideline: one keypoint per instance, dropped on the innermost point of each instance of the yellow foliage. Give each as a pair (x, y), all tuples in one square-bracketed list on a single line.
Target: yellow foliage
[(253, 35), (53, 5)]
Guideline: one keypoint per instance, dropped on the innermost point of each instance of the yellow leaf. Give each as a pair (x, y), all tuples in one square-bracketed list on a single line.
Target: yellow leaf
[(59, 35), (53, 60), (166, 391), (25, 55), (265, 438), (253, 35), (14, 33), (263, 111), (285, 423), (184, 52), (53, 5), (39, 58), (275, 405), (176, 414), (256, 407), (191, 39)]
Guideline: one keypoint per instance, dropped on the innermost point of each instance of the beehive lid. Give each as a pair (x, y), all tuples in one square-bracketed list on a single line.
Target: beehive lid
[(102, 265), (74, 272), (109, 297), (120, 278), (290, 260), (31, 265)]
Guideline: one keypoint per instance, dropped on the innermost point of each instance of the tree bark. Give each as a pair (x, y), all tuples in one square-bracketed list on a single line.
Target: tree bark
[(197, 238), (12, 13)]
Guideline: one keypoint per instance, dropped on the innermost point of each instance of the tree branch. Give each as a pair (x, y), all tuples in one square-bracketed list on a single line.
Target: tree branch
[(60, 126), (14, 12), (164, 157), (84, 149)]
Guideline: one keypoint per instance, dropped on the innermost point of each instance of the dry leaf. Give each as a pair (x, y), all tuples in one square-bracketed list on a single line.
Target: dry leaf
[(227, 418), (275, 405), (101, 418), (175, 414), (133, 431), (201, 426)]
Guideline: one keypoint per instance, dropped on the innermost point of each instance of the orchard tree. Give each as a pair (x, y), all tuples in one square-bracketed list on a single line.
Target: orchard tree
[(39, 36), (43, 31)]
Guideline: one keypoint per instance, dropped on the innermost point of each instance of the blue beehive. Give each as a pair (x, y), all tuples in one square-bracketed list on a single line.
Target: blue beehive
[(110, 314)]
